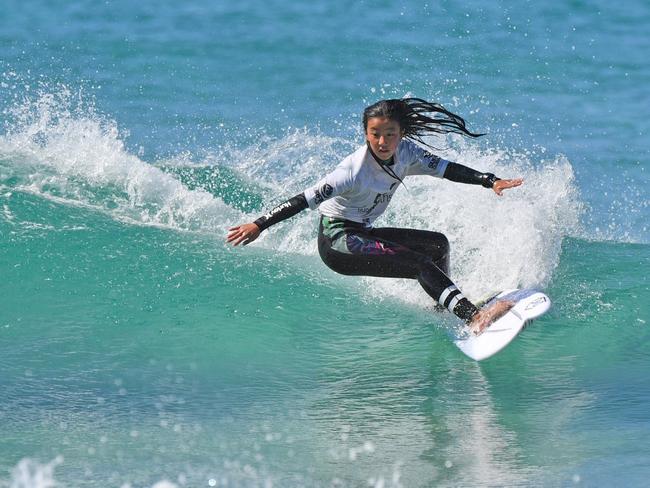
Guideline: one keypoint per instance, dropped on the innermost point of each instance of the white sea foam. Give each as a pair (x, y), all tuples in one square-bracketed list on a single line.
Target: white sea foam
[(29, 473), (59, 148), (497, 242)]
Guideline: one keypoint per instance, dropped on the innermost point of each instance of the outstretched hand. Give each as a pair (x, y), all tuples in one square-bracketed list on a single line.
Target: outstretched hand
[(501, 185), (243, 234)]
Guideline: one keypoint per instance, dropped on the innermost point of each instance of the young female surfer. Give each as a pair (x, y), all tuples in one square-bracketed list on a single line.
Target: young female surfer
[(358, 191)]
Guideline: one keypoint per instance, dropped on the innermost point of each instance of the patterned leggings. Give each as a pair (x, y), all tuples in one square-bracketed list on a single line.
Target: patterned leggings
[(350, 248)]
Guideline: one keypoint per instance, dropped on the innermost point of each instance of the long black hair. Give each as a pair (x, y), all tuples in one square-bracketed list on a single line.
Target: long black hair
[(412, 116)]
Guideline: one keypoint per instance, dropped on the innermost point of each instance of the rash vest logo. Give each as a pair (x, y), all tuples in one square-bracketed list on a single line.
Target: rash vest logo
[(380, 198), (432, 160), (277, 209), (323, 193)]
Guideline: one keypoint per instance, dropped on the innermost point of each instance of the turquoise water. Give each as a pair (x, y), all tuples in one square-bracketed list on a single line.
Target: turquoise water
[(138, 350)]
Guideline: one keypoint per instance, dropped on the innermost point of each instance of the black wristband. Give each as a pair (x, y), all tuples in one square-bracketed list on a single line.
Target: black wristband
[(462, 174), (488, 180)]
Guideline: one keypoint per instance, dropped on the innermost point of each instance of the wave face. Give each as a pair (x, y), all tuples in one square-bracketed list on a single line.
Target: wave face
[(137, 349)]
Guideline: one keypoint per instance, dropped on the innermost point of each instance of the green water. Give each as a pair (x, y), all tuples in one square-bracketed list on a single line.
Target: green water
[(138, 350)]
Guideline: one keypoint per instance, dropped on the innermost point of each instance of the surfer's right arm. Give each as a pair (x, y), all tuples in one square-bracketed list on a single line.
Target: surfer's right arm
[(247, 233), (335, 183)]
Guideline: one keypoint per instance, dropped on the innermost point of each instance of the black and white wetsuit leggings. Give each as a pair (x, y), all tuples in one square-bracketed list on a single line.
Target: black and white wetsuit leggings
[(350, 248)]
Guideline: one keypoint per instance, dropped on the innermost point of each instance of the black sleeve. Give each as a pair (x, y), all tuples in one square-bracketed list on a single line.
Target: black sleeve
[(462, 174), (283, 211)]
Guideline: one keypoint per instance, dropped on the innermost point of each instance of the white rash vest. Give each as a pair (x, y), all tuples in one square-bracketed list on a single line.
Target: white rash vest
[(360, 190)]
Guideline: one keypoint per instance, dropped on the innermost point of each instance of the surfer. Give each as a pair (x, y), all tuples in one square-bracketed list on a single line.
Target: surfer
[(351, 197)]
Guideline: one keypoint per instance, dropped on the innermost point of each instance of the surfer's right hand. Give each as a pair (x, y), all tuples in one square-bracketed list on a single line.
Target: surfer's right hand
[(243, 234), (486, 316)]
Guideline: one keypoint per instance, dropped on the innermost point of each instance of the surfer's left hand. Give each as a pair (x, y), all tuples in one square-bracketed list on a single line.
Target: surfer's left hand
[(501, 185)]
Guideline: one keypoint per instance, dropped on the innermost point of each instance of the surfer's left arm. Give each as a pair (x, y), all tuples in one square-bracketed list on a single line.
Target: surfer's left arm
[(424, 162), (462, 174)]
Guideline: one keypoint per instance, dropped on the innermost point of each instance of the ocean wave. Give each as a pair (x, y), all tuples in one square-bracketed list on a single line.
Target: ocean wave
[(57, 145)]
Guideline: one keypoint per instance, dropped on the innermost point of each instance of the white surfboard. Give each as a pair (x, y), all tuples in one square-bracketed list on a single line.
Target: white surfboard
[(529, 304)]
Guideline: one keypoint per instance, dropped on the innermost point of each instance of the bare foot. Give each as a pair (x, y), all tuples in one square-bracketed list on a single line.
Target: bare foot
[(486, 316)]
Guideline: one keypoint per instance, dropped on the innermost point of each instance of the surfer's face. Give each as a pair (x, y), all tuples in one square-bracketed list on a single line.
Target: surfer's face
[(383, 135)]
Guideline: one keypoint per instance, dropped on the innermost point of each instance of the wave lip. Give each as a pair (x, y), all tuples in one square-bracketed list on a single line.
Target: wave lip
[(59, 147)]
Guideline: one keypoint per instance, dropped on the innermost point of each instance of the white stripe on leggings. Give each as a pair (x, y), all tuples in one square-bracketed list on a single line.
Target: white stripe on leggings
[(454, 302), (448, 291)]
